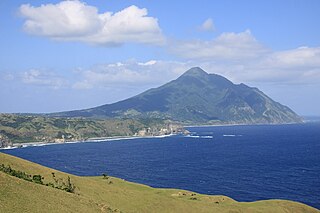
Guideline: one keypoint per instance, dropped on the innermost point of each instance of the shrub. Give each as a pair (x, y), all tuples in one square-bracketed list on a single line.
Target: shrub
[(37, 179), (59, 183), (105, 176), (69, 186)]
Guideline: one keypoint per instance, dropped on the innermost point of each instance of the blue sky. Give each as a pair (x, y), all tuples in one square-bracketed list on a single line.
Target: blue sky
[(64, 55)]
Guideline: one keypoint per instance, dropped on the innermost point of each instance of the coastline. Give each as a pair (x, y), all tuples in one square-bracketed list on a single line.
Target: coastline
[(116, 138), (89, 140)]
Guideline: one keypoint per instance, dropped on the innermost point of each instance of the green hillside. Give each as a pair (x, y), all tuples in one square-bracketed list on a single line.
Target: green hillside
[(98, 194), (197, 97), (31, 128)]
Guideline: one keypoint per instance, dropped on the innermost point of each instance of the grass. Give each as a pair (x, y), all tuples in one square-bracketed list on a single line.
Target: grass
[(96, 194)]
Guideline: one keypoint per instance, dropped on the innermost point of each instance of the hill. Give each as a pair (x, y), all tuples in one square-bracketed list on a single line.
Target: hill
[(98, 194), (31, 128), (197, 97)]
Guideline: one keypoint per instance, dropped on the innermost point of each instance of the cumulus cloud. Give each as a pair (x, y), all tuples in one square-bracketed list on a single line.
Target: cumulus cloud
[(40, 78), (227, 46), (300, 66), (295, 66), (280, 68), (207, 25), (242, 58), (300, 57), (77, 21)]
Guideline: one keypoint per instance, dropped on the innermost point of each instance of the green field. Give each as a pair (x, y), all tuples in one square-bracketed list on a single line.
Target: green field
[(97, 194)]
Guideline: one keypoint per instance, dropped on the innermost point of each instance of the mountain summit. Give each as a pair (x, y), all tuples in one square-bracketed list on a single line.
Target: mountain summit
[(197, 97)]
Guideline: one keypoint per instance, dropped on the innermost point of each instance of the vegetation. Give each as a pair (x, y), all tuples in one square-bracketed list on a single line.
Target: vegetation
[(94, 195), (37, 179), (12, 172), (59, 183), (105, 176), (31, 128)]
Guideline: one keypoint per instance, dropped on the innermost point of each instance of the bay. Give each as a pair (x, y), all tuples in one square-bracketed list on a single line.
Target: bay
[(246, 163)]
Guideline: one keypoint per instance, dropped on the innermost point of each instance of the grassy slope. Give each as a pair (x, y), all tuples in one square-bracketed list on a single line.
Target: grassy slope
[(94, 194)]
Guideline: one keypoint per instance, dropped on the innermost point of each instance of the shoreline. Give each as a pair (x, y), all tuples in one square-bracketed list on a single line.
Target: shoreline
[(89, 140), (117, 138)]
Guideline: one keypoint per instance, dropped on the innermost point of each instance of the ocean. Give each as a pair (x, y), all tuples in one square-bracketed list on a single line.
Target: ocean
[(246, 163)]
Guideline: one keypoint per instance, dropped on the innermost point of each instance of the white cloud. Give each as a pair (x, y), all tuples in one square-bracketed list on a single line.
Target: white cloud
[(295, 66), (228, 46), (40, 78), (300, 57), (130, 74), (77, 21), (241, 58), (148, 63), (280, 68), (300, 66), (207, 25)]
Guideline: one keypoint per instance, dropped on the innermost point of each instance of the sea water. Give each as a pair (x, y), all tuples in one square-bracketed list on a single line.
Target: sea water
[(246, 163)]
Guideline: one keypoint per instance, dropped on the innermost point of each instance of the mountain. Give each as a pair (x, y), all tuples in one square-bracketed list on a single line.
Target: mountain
[(197, 97)]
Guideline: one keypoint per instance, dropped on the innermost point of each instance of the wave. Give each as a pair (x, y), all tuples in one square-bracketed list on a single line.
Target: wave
[(199, 136), (207, 136), (231, 135), (192, 136), (9, 147)]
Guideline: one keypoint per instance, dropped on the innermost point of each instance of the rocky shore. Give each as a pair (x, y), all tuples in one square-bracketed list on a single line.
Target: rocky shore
[(4, 141)]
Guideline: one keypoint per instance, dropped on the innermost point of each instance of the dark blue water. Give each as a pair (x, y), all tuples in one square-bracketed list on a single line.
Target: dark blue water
[(246, 163)]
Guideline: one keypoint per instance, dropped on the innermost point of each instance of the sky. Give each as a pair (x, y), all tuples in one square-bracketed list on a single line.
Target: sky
[(66, 55)]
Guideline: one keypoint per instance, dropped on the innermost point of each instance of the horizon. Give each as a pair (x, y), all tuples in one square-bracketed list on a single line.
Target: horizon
[(69, 55)]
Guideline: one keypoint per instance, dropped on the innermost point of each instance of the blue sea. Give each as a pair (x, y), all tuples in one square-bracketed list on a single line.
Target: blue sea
[(246, 163)]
